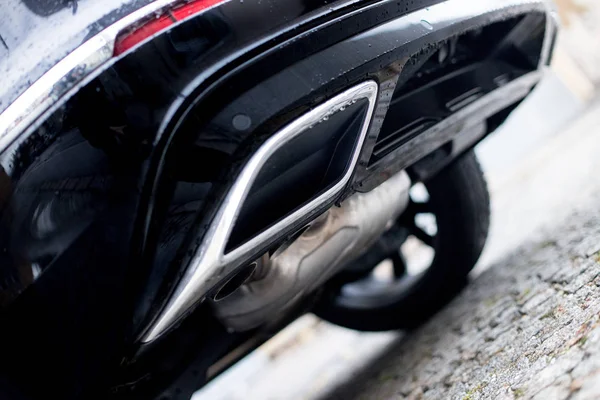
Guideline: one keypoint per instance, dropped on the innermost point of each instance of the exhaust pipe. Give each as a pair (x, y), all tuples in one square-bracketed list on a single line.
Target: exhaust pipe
[(335, 238)]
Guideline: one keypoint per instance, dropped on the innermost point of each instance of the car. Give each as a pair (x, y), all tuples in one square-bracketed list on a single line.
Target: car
[(180, 180)]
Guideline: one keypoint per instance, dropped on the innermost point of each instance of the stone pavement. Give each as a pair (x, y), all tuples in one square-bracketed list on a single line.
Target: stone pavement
[(529, 327)]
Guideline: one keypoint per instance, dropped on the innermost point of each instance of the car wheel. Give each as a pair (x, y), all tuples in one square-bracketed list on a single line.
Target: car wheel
[(422, 262)]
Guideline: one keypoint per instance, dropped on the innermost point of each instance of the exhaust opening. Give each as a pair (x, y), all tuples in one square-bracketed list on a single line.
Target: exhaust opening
[(300, 171), (235, 282)]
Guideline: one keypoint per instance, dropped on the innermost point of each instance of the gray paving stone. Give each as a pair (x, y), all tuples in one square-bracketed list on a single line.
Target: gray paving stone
[(519, 332)]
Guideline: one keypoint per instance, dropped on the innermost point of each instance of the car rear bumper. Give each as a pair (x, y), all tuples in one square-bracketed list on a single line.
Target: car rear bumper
[(113, 149)]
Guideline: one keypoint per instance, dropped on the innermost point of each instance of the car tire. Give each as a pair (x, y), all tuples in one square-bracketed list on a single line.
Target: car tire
[(460, 201)]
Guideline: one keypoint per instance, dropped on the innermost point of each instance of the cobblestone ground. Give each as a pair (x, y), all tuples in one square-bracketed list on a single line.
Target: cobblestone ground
[(526, 328)]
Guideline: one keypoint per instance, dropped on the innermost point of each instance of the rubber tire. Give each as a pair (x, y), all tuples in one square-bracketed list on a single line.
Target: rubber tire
[(460, 200)]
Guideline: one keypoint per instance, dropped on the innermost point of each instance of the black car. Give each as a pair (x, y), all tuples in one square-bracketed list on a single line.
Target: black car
[(179, 180)]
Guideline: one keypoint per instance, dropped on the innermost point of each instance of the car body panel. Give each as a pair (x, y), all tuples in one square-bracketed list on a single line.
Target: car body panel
[(107, 189), (36, 35)]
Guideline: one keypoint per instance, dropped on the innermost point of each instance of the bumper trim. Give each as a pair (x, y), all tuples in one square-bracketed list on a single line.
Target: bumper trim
[(67, 76), (211, 264)]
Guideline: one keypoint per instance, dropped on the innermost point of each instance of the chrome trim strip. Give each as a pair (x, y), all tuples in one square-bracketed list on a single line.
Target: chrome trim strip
[(552, 25), (210, 265), (50, 87), (66, 74)]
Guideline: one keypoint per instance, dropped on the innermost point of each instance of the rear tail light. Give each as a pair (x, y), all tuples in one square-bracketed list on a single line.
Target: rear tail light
[(128, 39)]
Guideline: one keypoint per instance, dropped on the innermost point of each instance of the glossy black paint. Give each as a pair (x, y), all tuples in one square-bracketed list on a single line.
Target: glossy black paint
[(109, 197), (202, 122), (74, 203), (24, 19), (69, 213), (269, 107)]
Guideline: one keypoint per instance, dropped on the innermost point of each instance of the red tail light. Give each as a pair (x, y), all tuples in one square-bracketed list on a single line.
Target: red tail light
[(127, 40)]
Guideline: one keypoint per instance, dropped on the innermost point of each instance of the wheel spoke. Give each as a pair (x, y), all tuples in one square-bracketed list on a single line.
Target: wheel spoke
[(423, 236), (399, 265), (412, 210), (419, 208)]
